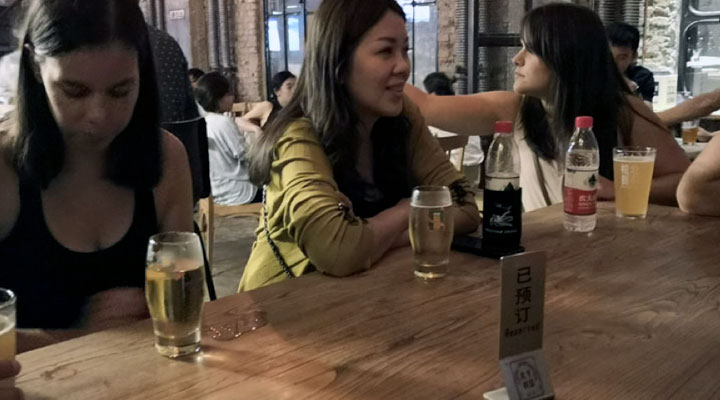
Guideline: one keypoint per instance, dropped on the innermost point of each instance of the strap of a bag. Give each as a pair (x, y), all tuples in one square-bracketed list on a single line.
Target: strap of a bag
[(541, 179), (274, 247)]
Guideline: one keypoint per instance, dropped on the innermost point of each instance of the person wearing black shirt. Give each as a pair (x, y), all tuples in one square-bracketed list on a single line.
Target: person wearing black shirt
[(624, 41)]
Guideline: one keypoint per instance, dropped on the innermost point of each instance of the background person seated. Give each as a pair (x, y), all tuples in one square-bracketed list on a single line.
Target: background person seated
[(226, 144), (624, 41), (439, 84), (283, 86)]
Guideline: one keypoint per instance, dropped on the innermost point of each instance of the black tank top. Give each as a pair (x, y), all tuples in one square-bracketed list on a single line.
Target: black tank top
[(53, 283)]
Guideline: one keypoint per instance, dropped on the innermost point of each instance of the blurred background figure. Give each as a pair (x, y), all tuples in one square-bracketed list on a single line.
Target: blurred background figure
[(439, 84), (194, 74), (282, 85), (226, 144), (624, 41)]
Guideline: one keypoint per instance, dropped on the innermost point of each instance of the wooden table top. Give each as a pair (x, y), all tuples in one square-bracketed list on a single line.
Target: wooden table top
[(632, 312)]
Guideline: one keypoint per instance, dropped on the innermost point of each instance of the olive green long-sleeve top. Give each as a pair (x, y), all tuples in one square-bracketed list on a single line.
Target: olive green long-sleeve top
[(304, 219)]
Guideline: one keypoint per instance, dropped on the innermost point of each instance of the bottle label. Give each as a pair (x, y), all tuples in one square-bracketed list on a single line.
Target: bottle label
[(502, 209), (580, 192)]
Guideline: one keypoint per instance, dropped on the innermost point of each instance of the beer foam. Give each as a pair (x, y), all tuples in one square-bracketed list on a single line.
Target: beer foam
[(635, 159)]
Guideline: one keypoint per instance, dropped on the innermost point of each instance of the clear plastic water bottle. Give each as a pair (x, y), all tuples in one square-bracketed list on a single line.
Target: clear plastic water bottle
[(581, 178), (502, 198)]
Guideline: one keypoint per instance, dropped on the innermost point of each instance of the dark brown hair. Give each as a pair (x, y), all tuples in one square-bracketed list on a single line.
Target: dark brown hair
[(321, 96), (571, 40), (57, 27)]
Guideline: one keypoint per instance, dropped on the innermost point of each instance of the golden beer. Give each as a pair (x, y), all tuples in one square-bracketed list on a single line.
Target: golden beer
[(7, 338), (633, 171), (431, 228), (689, 135), (175, 298)]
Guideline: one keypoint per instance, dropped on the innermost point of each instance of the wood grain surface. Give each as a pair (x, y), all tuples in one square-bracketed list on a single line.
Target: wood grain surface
[(632, 312)]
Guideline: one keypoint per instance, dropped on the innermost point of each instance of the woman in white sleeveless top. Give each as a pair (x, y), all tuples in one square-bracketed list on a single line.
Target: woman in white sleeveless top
[(564, 70)]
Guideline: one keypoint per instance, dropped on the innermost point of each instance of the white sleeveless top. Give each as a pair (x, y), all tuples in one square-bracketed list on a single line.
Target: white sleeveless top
[(532, 195)]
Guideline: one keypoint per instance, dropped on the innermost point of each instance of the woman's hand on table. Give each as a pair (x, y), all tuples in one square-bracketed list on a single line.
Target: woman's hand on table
[(115, 307), (606, 189)]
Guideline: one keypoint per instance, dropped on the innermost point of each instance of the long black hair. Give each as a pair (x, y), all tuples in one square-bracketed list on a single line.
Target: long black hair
[(57, 27), (322, 97), (571, 40)]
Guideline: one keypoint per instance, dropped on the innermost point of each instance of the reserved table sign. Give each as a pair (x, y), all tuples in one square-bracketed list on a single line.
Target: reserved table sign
[(522, 301)]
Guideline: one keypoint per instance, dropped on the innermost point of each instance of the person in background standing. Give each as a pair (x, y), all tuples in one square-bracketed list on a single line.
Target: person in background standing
[(177, 102)]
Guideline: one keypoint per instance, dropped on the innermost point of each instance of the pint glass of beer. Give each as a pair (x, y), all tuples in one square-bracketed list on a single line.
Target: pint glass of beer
[(174, 289), (431, 230), (690, 131), (7, 325), (633, 170)]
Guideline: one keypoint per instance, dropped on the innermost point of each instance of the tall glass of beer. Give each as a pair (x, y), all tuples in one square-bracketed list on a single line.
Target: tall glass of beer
[(431, 230), (633, 170), (174, 289)]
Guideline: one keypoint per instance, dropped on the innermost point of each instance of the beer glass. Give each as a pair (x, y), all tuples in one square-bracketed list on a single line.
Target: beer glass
[(633, 170), (7, 325), (431, 230), (690, 131), (174, 289)]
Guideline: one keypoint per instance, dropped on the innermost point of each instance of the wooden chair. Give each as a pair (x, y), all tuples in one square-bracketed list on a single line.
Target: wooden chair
[(208, 210), (454, 143)]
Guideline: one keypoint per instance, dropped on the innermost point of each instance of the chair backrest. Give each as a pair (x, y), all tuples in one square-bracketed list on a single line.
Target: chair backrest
[(452, 143), (193, 135)]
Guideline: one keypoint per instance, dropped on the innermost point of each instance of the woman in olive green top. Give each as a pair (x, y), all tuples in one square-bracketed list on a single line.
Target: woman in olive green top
[(339, 162)]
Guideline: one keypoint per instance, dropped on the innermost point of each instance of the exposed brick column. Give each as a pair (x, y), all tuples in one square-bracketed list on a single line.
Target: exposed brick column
[(447, 36), (250, 49)]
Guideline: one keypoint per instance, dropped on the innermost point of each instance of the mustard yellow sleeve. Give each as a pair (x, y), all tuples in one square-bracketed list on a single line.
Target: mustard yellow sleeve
[(431, 165), (336, 242)]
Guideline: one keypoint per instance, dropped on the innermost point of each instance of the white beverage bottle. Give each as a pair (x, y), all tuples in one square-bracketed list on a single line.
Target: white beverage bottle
[(582, 162), (502, 198)]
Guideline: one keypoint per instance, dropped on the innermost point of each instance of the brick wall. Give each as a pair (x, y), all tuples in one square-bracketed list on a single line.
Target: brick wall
[(249, 50), (447, 36), (661, 35)]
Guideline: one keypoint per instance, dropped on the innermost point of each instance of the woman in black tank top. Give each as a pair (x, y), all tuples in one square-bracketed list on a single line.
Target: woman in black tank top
[(92, 175), (282, 87)]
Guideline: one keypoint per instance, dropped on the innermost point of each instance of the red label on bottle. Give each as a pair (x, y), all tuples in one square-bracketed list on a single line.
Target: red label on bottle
[(579, 202)]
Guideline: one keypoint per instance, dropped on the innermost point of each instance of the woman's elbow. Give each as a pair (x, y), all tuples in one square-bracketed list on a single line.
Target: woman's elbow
[(341, 263), (695, 197)]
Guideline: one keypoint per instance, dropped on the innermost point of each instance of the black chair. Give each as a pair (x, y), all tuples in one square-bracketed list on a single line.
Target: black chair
[(193, 135)]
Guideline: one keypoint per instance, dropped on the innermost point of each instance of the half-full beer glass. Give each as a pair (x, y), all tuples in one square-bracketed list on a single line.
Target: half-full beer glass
[(633, 170), (431, 230), (174, 289)]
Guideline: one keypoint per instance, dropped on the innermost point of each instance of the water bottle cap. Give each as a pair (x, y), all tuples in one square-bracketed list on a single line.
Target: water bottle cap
[(584, 122), (503, 126)]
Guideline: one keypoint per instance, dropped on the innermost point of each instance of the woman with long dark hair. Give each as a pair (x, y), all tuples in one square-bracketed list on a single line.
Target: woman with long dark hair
[(282, 86), (339, 162), (87, 174), (564, 70)]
